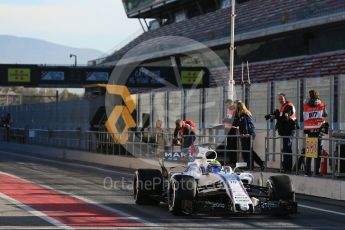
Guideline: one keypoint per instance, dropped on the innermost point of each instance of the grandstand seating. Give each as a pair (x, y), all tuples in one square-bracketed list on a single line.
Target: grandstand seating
[(251, 16), (332, 63)]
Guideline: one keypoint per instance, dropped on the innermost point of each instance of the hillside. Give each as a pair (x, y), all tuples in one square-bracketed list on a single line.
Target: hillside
[(34, 51)]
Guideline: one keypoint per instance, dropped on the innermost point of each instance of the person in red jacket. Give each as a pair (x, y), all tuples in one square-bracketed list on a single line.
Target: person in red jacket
[(314, 113), (184, 133)]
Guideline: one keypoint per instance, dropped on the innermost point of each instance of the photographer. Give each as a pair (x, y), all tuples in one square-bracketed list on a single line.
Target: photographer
[(184, 133), (286, 126)]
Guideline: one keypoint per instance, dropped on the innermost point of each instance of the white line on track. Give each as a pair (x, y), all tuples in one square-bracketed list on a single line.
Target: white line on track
[(129, 174), (113, 210), (35, 212), (321, 209)]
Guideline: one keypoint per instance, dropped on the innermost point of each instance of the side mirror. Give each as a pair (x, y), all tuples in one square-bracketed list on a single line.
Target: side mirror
[(241, 165)]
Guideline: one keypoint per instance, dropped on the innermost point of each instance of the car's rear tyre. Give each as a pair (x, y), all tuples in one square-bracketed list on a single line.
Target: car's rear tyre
[(280, 188), (147, 186), (182, 189)]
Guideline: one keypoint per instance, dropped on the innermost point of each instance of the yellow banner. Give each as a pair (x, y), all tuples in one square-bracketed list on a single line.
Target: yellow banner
[(19, 75), (192, 77), (311, 147)]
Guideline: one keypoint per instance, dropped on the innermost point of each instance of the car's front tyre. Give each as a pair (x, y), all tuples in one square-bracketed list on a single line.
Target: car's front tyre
[(280, 192), (147, 186), (280, 188), (182, 189)]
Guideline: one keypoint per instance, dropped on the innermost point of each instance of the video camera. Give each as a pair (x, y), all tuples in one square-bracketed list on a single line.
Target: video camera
[(276, 113), (324, 128)]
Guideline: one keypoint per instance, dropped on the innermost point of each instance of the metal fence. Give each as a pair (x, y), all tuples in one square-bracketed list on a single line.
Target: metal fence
[(147, 145), (138, 144), (333, 149), (206, 106)]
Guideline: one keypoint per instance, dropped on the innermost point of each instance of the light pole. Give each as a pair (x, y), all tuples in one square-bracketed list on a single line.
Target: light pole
[(232, 52), (75, 58)]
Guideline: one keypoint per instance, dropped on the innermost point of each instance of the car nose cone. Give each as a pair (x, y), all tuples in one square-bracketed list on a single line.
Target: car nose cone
[(244, 207)]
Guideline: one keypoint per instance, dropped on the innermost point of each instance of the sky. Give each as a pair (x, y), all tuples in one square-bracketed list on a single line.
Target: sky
[(97, 24)]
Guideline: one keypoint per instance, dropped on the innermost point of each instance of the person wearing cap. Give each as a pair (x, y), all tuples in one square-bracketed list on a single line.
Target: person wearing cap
[(286, 126)]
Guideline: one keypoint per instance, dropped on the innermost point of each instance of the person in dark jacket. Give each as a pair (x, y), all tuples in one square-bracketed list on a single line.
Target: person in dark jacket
[(184, 133), (286, 126), (247, 131), (7, 122)]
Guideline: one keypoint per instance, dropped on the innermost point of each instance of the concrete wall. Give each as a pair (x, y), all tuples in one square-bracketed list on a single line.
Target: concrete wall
[(65, 115), (313, 186), (74, 155)]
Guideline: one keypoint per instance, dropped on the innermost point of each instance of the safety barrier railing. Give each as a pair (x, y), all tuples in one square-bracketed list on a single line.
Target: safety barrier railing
[(148, 144), (332, 151), (140, 144)]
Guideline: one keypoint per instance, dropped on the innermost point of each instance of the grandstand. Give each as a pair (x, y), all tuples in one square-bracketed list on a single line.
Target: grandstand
[(283, 40), (297, 37)]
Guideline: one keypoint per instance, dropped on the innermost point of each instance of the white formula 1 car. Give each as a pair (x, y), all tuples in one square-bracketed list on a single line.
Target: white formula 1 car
[(199, 187)]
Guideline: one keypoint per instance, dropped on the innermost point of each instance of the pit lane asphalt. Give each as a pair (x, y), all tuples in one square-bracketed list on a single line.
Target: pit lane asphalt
[(93, 182)]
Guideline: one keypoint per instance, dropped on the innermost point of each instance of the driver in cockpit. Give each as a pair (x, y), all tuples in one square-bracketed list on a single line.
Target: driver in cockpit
[(214, 166)]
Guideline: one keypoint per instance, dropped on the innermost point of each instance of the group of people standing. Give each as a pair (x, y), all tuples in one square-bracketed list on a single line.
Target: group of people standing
[(238, 120), (314, 113), (239, 125)]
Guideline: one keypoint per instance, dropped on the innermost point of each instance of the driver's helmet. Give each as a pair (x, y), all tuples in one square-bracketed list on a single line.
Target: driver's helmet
[(214, 166)]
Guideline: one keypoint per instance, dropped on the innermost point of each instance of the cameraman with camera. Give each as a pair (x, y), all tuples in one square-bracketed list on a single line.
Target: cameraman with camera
[(286, 126)]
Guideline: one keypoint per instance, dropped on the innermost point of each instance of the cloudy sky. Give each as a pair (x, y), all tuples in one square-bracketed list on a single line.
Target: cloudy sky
[(97, 24)]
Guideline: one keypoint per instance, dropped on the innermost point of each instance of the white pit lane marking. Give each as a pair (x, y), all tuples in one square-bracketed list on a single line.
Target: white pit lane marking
[(320, 209), (110, 209), (34, 212), (106, 170)]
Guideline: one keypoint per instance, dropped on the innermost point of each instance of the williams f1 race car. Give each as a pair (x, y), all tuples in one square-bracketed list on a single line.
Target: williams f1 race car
[(205, 185)]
